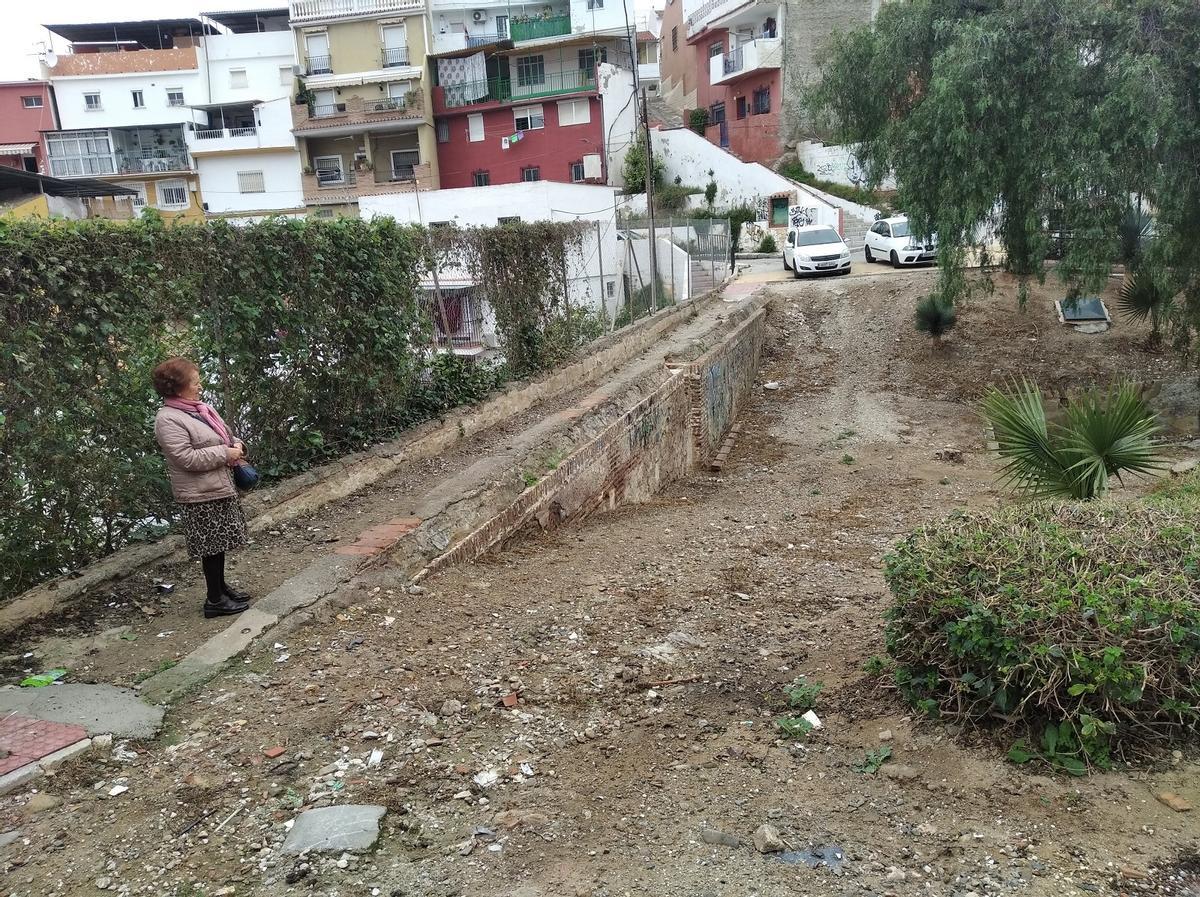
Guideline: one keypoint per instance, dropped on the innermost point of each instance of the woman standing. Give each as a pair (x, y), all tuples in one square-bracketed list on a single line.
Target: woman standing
[(200, 453)]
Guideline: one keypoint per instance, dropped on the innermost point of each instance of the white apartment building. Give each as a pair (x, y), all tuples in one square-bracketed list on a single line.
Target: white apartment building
[(192, 114), (245, 153)]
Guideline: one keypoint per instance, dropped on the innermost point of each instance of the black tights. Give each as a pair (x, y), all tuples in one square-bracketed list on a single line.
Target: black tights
[(213, 566)]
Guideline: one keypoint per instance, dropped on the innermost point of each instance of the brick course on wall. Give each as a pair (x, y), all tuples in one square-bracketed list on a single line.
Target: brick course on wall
[(676, 428)]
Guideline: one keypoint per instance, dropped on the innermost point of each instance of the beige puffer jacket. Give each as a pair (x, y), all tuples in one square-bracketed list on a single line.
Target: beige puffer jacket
[(196, 457)]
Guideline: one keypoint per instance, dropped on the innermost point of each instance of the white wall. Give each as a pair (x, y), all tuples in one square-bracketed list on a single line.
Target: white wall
[(117, 99), (836, 163), (619, 110), (611, 18), (261, 55), (281, 178), (687, 155), (71, 207), (538, 201)]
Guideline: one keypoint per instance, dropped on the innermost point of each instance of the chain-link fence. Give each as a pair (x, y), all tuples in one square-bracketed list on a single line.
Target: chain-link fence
[(692, 257)]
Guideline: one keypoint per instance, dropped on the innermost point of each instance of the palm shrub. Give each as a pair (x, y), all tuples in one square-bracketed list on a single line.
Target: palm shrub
[(1148, 295), (935, 316), (1103, 435)]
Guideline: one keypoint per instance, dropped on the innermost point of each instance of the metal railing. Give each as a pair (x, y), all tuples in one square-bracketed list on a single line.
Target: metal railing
[(321, 9), (242, 132), (217, 133), (394, 56), (404, 173), (210, 134), (734, 61), (535, 29), (503, 90), (152, 164), (462, 326), (326, 110), (318, 65), (390, 104), (483, 40), (336, 177)]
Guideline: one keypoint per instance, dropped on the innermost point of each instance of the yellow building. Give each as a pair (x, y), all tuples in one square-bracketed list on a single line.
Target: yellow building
[(362, 118), (27, 194)]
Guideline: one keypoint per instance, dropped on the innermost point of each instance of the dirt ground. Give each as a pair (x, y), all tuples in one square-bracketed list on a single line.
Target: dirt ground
[(592, 713)]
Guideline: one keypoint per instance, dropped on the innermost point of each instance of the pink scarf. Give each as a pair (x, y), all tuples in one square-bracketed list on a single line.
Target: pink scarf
[(206, 413)]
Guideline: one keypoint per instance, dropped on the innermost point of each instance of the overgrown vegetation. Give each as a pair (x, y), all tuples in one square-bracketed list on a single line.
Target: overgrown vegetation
[(1099, 436), (313, 337), (1030, 124), (794, 170), (1073, 629), (633, 171), (767, 243), (698, 120)]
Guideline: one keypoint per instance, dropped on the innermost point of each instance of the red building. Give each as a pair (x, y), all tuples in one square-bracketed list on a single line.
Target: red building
[(26, 109), (729, 66)]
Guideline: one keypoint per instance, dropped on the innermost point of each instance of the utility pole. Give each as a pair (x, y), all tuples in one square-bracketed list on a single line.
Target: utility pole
[(600, 257), (650, 205)]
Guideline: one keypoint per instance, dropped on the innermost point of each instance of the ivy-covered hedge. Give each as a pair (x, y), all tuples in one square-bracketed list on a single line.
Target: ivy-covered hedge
[(1074, 628), (312, 337)]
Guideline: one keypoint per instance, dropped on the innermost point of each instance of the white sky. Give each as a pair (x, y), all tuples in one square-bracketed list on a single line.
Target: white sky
[(22, 34)]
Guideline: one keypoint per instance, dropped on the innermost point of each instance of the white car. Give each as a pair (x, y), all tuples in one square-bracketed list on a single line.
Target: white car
[(889, 239), (815, 249)]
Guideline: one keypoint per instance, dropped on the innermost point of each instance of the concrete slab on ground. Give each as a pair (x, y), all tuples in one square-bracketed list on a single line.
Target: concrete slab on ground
[(97, 709), (334, 829)]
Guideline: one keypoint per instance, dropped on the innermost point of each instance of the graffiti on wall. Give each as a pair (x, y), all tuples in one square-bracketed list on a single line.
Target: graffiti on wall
[(762, 208), (843, 168), (800, 216), (752, 235)]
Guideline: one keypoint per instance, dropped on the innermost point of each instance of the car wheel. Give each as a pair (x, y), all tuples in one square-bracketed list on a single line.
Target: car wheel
[(867, 253), (895, 259), (795, 272)]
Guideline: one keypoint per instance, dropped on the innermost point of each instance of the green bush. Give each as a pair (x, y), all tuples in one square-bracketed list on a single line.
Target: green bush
[(1075, 628), (795, 171), (767, 244), (311, 336), (698, 120)]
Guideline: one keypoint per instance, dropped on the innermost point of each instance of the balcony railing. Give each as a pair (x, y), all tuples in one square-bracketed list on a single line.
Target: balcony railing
[(390, 104), (307, 10), (734, 61), (484, 40), (319, 65), (504, 90), (242, 132), (394, 57), (218, 133), (327, 110), (336, 177), (213, 134), (536, 29)]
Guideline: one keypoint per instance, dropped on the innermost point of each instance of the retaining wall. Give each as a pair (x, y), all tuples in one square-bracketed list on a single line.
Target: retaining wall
[(676, 428)]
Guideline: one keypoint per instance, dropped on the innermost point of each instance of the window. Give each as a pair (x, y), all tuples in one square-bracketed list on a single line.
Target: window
[(329, 170), (779, 211), (611, 287), (139, 201), (443, 130), (475, 127), (762, 101), (77, 153), (531, 174), (531, 71), (173, 194), (31, 102), (323, 213), (574, 112), (528, 118), (139, 99), (285, 76), (404, 164), (716, 114), (577, 174), (324, 102), (395, 45), (238, 79), (511, 219), (174, 96), (589, 58), (251, 182), (741, 107), (483, 179), (91, 101), (595, 4), (674, 40), (715, 49)]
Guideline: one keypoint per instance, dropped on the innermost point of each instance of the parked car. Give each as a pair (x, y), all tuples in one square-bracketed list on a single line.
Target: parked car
[(815, 249), (889, 239)]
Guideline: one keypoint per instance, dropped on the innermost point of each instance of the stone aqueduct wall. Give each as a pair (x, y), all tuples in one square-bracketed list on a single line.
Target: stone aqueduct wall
[(675, 429)]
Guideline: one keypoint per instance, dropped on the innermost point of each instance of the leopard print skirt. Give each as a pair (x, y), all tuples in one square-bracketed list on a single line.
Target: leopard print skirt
[(213, 527)]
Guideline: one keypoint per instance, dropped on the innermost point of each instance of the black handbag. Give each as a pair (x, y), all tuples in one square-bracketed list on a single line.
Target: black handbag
[(245, 477)]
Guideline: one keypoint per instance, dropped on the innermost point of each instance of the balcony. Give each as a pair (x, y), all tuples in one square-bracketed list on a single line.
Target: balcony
[(318, 65), (752, 56), (539, 29), (126, 62), (505, 90), (394, 57), (338, 186), (222, 140), (456, 41), (317, 10), (117, 164), (358, 111)]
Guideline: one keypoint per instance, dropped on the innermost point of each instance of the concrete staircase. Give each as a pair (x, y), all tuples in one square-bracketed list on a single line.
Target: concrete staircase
[(702, 279), (663, 113)]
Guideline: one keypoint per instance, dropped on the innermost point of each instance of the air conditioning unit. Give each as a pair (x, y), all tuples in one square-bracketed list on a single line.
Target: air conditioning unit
[(479, 16), (297, 71)]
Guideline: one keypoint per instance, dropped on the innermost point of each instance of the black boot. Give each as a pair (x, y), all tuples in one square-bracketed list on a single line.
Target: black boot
[(235, 594), (223, 607)]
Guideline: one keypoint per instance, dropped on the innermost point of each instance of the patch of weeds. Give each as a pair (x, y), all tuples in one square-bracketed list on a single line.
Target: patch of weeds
[(814, 491), (802, 694), (556, 458), (873, 760), (529, 478), (877, 665), (847, 460), (161, 668), (847, 434), (1063, 751), (794, 727)]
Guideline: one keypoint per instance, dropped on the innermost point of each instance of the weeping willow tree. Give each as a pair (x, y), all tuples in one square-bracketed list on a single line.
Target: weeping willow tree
[(1011, 122)]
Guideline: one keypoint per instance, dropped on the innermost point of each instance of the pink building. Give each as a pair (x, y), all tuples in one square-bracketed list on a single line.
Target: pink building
[(26, 109)]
